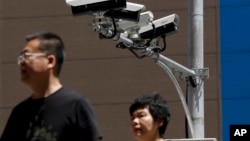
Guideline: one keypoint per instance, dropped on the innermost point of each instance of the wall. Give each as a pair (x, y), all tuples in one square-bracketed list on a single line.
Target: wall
[(111, 78)]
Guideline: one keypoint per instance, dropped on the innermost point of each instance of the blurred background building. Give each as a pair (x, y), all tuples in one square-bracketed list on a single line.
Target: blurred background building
[(111, 78)]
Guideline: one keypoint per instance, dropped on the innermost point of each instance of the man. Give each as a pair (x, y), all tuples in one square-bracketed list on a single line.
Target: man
[(149, 117), (52, 112)]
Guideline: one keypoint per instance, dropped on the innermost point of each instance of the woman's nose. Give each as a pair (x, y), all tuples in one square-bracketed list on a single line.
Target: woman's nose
[(135, 121)]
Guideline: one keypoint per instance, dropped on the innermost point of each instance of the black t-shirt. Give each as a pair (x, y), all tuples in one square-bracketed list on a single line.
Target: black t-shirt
[(63, 116)]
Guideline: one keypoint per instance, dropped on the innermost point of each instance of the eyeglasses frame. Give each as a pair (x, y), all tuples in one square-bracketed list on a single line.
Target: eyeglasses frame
[(23, 56)]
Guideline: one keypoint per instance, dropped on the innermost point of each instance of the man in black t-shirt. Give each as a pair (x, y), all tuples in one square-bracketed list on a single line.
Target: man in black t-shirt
[(52, 112)]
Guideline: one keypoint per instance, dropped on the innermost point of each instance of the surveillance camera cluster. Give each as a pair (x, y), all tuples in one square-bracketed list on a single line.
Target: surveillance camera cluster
[(126, 22)]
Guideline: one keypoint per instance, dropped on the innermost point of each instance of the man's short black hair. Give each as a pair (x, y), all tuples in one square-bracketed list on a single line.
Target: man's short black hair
[(51, 44), (157, 106)]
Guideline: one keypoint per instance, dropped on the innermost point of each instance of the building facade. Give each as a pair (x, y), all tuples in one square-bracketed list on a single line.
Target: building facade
[(111, 77)]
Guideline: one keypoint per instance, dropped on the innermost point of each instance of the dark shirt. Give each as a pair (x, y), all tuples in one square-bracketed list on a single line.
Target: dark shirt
[(63, 116)]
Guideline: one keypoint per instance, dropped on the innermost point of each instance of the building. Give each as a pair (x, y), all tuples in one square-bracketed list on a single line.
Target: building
[(111, 77)]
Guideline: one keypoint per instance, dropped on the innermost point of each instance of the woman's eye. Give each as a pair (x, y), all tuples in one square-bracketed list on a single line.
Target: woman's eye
[(141, 115)]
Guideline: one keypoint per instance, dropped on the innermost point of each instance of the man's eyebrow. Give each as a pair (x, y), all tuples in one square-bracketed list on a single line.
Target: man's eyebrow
[(22, 52)]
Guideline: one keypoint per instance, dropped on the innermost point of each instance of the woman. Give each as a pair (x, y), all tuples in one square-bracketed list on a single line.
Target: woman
[(149, 117)]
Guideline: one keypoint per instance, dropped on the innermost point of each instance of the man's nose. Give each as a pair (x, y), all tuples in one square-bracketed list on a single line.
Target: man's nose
[(20, 60)]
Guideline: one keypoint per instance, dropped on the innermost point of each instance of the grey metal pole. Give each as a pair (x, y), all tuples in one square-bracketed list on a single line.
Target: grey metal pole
[(195, 95)]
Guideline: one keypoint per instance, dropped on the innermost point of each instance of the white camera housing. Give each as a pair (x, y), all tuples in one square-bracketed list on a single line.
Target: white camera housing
[(134, 7), (131, 12), (80, 7), (83, 2), (163, 26), (145, 19)]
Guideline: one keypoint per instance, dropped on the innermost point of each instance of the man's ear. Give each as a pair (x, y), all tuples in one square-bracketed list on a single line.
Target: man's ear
[(51, 61)]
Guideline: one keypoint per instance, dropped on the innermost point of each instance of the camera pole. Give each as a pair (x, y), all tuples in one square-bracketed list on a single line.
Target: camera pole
[(195, 96), (176, 70)]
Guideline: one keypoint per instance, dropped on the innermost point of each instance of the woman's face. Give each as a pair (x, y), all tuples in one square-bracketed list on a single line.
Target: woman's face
[(143, 125)]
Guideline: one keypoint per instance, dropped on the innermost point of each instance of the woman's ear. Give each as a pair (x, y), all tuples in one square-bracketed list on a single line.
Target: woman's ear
[(160, 122)]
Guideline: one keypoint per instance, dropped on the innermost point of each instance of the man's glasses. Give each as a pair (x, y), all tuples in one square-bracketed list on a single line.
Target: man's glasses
[(26, 55)]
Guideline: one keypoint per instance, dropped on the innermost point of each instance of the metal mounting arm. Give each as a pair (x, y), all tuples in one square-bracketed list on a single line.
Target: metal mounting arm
[(168, 65)]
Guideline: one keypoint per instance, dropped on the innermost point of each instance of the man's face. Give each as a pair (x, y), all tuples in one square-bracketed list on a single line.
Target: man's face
[(143, 126), (32, 62)]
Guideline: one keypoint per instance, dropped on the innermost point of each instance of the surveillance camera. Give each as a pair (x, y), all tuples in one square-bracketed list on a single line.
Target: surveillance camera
[(82, 2), (131, 12), (162, 26), (80, 7), (144, 19)]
